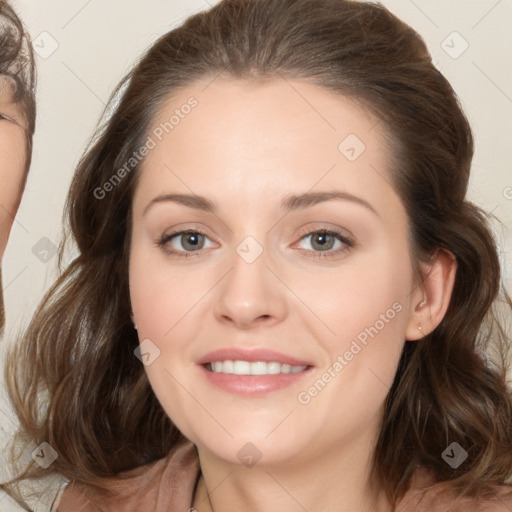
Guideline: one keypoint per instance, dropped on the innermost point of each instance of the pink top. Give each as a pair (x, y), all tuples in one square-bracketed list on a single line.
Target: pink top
[(169, 485)]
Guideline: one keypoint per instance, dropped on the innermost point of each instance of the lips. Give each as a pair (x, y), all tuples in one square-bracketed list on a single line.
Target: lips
[(252, 356)]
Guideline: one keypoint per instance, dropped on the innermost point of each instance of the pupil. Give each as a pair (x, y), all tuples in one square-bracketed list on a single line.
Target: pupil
[(323, 239), (195, 239)]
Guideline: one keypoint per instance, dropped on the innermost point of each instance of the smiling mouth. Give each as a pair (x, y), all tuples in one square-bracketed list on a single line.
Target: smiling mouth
[(252, 368)]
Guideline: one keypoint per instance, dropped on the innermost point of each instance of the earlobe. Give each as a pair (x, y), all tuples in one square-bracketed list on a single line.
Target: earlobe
[(434, 296)]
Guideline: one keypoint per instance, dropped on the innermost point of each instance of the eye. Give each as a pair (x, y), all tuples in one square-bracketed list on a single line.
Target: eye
[(4, 117), (323, 240), (192, 241)]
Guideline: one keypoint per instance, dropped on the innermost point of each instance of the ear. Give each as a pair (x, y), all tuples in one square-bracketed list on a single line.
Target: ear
[(430, 301)]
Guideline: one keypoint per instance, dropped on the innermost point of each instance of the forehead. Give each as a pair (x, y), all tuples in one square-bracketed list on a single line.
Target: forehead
[(276, 115), (253, 140)]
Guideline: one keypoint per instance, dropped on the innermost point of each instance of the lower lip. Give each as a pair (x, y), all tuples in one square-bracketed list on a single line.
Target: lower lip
[(253, 384)]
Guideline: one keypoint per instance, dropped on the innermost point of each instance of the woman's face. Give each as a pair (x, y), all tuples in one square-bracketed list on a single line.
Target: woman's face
[(260, 274), (13, 155)]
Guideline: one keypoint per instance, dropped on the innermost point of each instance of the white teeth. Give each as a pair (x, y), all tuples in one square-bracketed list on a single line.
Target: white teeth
[(239, 367), (255, 368), (273, 368), (227, 367), (259, 368)]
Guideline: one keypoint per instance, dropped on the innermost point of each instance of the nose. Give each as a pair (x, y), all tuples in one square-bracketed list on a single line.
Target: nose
[(251, 294)]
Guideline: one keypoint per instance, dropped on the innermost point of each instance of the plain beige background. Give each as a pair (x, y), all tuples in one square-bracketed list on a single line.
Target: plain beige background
[(85, 47)]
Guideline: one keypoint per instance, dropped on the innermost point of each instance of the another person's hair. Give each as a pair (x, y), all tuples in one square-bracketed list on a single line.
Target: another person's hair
[(18, 68), (102, 415)]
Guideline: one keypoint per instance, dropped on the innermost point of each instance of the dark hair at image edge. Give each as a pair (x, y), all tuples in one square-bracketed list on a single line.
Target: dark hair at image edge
[(102, 416), (17, 65)]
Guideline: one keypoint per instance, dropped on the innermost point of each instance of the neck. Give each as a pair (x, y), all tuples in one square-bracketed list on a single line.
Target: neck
[(339, 481)]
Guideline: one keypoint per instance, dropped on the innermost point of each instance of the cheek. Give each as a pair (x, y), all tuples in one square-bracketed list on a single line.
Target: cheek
[(370, 291), (12, 164), (12, 173), (160, 297), (161, 293), (365, 309)]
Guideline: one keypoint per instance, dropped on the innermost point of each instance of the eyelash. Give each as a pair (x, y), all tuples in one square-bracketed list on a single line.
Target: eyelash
[(348, 243), (3, 117)]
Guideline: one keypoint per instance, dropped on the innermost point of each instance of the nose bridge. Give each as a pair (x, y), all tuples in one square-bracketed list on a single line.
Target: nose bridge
[(250, 291)]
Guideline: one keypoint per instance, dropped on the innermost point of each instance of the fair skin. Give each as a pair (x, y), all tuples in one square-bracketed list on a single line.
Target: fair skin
[(245, 147), (13, 154)]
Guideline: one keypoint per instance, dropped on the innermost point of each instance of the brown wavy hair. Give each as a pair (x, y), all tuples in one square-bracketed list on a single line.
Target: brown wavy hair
[(17, 64), (101, 414)]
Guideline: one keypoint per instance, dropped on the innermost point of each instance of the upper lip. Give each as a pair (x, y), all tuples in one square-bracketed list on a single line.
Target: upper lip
[(254, 355)]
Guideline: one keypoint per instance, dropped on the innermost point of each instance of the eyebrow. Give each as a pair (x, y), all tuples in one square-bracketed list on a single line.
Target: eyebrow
[(289, 203)]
